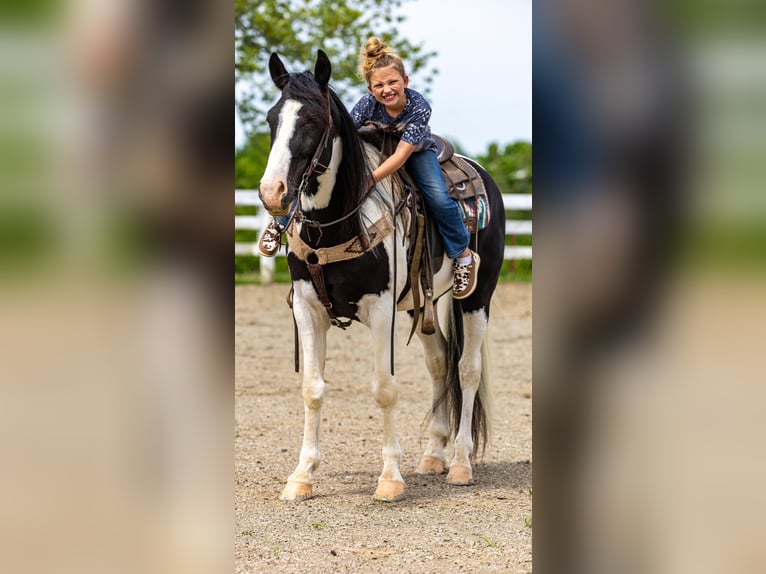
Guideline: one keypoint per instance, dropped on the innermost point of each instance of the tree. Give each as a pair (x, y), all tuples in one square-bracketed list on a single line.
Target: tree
[(296, 29), (511, 167), (250, 161)]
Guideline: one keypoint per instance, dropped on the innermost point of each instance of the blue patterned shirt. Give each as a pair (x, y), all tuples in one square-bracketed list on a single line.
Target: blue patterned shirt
[(412, 122)]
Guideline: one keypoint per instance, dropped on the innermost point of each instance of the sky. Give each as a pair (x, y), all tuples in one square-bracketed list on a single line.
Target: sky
[(483, 92)]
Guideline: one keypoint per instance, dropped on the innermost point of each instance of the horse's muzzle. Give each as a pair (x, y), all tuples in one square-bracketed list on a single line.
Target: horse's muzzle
[(274, 197)]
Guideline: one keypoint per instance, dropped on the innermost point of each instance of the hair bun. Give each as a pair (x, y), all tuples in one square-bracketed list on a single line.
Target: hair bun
[(375, 48), (376, 53)]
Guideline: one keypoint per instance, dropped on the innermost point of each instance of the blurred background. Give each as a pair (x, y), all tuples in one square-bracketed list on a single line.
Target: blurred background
[(649, 286), (115, 285)]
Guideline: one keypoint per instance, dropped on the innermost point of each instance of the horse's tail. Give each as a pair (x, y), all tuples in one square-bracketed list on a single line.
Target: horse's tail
[(482, 415)]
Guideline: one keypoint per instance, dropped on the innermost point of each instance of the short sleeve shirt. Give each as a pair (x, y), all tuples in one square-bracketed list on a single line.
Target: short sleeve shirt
[(412, 122)]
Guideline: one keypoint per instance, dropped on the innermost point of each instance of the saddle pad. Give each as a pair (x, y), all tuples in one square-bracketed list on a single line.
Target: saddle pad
[(474, 210)]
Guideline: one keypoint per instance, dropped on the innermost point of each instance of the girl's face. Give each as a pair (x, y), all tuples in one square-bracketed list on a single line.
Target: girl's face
[(387, 87)]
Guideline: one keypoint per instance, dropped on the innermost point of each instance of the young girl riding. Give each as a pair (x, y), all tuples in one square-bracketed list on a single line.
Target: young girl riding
[(392, 103)]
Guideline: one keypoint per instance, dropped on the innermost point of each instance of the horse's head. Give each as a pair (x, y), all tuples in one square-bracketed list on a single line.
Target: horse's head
[(302, 135)]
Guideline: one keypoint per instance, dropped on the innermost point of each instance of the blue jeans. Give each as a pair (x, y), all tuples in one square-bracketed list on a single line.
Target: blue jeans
[(282, 220), (424, 168)]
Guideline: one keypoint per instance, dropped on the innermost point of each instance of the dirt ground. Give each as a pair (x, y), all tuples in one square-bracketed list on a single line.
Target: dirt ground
[(436, 528)]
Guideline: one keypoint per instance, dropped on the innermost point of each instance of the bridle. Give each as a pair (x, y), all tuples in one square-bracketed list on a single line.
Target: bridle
[(311, 168)]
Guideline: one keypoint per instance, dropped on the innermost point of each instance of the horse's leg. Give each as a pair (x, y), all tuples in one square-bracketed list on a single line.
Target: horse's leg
[(390, 483), (433, 460), (474, 329), (312, 328)]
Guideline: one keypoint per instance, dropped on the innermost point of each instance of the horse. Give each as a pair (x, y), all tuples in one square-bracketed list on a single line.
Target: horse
[(318, 163)]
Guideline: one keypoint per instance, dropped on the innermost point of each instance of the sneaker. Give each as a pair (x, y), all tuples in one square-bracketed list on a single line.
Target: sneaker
[(465, 277), (270, 240)]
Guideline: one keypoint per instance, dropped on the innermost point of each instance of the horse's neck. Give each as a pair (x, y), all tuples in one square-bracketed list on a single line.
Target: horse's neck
[(327, 207), (392, 194)]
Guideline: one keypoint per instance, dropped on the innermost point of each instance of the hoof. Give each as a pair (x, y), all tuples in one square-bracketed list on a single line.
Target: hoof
[(430, 465), (460, 475), (389, 491), (297, 491)]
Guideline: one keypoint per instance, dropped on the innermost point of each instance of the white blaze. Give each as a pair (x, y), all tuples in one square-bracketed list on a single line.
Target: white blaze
[(280, 156)]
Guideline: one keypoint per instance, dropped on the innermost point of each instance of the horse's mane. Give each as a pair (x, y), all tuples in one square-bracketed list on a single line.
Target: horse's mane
[(352, 172)]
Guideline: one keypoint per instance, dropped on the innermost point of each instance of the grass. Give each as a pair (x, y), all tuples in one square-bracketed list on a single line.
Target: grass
[(520, 270), (488, 543), (528, 521), (247, 270)]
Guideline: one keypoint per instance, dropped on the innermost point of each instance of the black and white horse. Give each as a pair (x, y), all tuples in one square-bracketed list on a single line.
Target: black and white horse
[(318, 157)]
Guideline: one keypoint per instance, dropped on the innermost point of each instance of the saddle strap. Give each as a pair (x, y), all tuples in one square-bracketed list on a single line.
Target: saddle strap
[(351, 249), (427, 280), (317, 278), (296, 338), (415, 273)]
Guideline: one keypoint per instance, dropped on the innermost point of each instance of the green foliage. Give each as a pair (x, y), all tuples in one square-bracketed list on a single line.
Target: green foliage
[(296, 29), (250, 162), (715, 16), (247, 270), (511, 166), (24, 12)]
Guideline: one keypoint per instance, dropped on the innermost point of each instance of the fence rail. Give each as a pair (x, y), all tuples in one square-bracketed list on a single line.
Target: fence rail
[(248, 197)]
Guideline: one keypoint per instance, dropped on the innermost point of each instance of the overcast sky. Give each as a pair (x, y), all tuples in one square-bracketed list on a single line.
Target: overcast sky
[(483, 92)]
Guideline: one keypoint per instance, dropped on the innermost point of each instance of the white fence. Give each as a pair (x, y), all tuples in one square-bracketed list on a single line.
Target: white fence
[(511, 201)]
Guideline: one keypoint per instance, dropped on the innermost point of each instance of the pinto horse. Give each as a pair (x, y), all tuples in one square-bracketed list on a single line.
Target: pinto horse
[(318, 161)]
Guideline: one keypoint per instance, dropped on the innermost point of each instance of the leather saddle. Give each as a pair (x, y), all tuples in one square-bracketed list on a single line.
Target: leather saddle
[(462, 181)]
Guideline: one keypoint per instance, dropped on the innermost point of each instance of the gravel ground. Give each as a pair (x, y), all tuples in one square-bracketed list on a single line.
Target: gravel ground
[(436, 528)]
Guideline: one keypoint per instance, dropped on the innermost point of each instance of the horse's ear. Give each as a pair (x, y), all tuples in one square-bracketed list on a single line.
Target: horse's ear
[(279, 73), (322, 69)]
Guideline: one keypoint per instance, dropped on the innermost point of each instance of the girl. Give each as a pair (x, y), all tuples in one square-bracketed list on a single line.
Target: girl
[(391, 101)]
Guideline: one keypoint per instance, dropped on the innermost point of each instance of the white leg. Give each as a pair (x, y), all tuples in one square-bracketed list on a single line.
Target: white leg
[(312, 324), (434, 460), (390, 483), (474, 328)]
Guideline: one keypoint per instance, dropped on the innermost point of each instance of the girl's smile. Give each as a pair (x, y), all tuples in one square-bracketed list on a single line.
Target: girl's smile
[(387, 87)]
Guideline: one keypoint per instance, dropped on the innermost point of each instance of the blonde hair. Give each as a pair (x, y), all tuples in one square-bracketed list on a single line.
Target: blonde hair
[(376, 54)]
